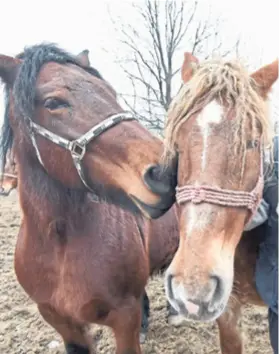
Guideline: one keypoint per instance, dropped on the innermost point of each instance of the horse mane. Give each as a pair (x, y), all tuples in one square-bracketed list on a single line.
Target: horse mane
[(229, 83), (24, 88)]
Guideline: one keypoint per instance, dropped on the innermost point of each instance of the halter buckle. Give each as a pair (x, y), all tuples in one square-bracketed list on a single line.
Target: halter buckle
[(77, 150)]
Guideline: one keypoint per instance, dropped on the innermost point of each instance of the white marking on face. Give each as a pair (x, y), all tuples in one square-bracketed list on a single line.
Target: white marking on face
[(211, 114), (198, 217), (191, 219)]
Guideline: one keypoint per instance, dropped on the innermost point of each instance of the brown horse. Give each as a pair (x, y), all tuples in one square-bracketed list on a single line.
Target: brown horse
[(82, 261), (217, 129), (162, 245)]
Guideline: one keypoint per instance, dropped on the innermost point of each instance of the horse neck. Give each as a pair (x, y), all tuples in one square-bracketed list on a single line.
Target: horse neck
[(44, 199)]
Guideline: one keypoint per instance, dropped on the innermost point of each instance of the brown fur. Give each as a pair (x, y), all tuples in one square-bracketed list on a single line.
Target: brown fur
[(58, 242), (205, 251), (84, 262), (230, 84), (160, 240), (163, 243)]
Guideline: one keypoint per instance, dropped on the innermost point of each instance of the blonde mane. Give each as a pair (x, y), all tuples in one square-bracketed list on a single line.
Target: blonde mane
[(230, 84)]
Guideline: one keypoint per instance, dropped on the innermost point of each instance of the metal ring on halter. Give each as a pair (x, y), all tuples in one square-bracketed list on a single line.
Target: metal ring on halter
[(76, 147), (77, 150)]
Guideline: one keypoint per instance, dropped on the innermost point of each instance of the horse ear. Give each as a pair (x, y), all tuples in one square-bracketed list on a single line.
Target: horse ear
[(83, 58), (189, 65), (265, 77), (8, 69)]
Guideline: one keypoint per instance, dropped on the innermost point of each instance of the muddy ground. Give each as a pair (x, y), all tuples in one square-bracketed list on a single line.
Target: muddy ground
[(22, 331)]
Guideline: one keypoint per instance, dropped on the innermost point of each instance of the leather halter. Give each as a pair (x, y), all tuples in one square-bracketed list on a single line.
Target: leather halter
[(224, 197), (76, 147)]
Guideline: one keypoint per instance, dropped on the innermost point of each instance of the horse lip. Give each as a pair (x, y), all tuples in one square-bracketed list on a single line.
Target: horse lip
[(150, 211)]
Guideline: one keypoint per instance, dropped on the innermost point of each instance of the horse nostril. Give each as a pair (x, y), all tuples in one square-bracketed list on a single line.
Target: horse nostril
[(169, 286), (217, 287), (159, 180)]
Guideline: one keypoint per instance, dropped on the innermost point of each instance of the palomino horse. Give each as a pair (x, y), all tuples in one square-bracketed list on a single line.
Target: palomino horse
[(217, 129), (82, 261)]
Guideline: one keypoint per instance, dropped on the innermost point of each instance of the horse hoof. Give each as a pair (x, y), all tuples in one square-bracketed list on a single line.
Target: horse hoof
[(176, 320), (142, 337)]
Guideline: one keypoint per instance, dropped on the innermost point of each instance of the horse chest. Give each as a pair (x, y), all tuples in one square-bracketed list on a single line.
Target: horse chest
[(71, 273)]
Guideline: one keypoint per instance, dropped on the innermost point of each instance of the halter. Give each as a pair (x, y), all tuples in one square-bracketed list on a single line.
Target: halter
[(7, 175), (224, 197), (76, 147)]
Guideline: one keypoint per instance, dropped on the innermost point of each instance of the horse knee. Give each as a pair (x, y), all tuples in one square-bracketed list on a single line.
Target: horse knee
[(74, 335)]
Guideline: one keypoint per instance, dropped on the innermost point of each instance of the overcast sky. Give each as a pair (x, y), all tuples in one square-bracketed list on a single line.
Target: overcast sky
[(84, 24)]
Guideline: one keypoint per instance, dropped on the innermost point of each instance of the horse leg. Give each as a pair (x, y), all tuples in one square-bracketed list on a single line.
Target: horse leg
[(230, 336), (126, 326), (73, 334), (145, 311)]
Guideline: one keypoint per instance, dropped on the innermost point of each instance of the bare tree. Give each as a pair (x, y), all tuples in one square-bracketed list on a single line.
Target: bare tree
[(155, 46)]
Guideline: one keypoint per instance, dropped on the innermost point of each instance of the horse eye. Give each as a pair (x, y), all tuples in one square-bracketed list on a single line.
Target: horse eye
[(252, 144), (54, 103)]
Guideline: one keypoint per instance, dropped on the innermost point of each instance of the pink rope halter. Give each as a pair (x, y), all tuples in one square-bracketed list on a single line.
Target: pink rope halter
[(223, 197)]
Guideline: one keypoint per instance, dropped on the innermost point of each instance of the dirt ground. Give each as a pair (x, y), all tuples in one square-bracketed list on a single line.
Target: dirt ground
[(22, 331)]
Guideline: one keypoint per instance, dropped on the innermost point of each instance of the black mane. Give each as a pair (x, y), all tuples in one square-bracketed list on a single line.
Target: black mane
[(24, 88), (34, 58)]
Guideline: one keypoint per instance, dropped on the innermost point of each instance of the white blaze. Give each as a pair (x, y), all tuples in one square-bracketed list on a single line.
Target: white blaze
[(211, 114), (199, 217)]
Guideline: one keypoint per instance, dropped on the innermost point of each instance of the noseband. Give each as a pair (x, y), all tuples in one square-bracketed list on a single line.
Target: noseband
[(223, 197), (76, 147)]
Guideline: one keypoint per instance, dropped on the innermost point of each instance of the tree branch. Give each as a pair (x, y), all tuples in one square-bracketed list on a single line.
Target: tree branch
[(152, 44)]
